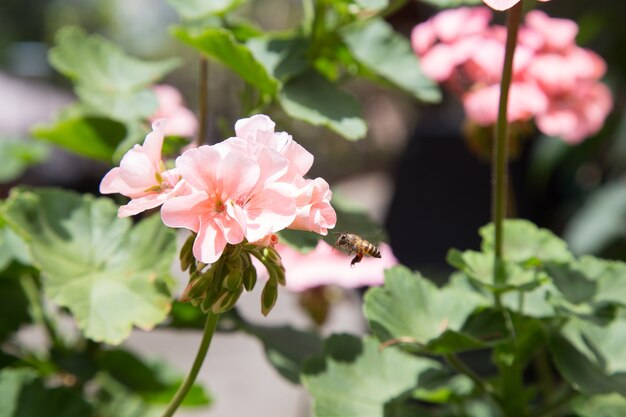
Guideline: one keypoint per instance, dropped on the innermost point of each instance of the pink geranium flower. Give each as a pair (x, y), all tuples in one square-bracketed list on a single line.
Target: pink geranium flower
[(325, 266), (142, 175), (503, 4), (180, 120), (314, 212)]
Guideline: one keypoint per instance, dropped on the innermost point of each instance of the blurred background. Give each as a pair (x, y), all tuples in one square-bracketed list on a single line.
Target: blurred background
[(415, 173)]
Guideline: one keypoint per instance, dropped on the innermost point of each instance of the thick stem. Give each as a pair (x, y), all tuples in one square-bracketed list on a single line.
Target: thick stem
[(499, 191), (203, 100), (207, 335)]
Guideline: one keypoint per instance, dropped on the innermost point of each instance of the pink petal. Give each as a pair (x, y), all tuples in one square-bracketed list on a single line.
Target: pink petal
[(153, 144), (209, 244), (138, 205), (269, 211), (501, 4), (423, 37), (557, 33), (198, 167), (230, 227), (236, 174), (185, 211), (168, 97), (452, 24), (439, 62), (255, 128)]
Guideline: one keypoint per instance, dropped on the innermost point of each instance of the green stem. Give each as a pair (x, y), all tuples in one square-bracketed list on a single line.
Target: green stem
[(203, 100), (461, 368), (499, 193), (207, 335)]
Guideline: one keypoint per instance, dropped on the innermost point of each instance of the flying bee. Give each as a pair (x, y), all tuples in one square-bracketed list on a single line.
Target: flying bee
[(355, 244)]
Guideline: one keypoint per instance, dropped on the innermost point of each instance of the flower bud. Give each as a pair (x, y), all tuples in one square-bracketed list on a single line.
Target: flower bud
[(249, 278), (226, 301), (186, 253), (233, 280), (268, 297)]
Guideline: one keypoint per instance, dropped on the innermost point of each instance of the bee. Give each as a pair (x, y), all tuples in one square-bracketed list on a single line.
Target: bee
[(356, 244)]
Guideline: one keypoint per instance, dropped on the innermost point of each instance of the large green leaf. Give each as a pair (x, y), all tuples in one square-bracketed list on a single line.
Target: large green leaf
[(93, 137), (523, 241), (110, 275), (387, 53), (12, 247), (410, 306), (282, 56), (108, 80), (600, 221), (356, 378), (23, 394), (17, 155), (610, 405), (220, 44), (314, 99), (196, 9)]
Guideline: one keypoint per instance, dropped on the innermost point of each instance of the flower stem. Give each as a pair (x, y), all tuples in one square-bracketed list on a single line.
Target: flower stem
[(207, 335), (499, 173), (203, 101)]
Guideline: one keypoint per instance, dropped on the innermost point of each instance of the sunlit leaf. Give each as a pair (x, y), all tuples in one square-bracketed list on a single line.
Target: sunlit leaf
[(523, 241), (107, 80), (356, 378), (110, 275), (314, 99), (283, 57), (410, 307), (220, 44), (387, 53), (93, 137), (610, 405)]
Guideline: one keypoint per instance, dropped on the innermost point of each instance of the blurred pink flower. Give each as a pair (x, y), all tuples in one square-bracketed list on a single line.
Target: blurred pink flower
[(458, 48), (180, 120), (142, 175), (325, 266), (503, 4), (313, 210)]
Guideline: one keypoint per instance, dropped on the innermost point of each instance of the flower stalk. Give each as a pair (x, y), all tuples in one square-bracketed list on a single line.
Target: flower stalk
[(203, 100), (500, 151), (207, 335)]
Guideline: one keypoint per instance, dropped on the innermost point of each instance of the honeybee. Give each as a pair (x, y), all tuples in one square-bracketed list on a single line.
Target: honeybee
[(356, 244)]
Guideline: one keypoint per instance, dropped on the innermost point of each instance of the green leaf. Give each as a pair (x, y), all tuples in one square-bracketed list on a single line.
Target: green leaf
[(387, 53), (283, 57), (286, 348), (196, 9), (357, 379), (314, 99), (523, 241), (25, 395), (12, 247), (610, 405), (93, 137), (108, 80), (17, 155), (220, 44), (410, 306), (600, 221), (479, 267), (110, 275)]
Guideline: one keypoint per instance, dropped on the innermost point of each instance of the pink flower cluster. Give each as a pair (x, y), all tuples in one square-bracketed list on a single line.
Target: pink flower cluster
[(554, 81), (180, 120), (503, 4), (244, 188)]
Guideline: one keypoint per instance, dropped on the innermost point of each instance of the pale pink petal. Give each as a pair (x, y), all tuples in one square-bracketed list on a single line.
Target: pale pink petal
[(237, 174), (300, 159), (269, 211), (137, 205), (314, 212), (439, 62), (230, 227), (185, 211), (557, 33), (153, 144), (273, 166), (325, 266), (255, 128), (451, 24), (198, 167), (501, 4), (182, 122), (209, 244), (111, 182), (137, 172), (168, 97), (423, 37)]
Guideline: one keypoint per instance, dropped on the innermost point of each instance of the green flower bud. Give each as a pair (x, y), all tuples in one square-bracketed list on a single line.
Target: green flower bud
[(226, 301), (249, 278), (268, 297), (186, 253), (233, 280)]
